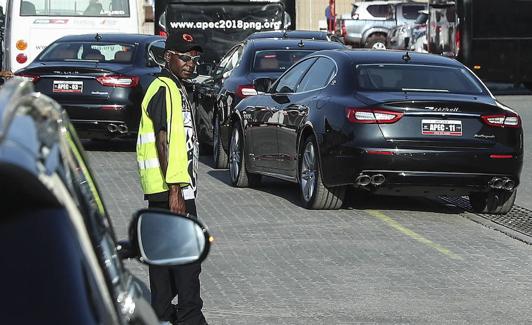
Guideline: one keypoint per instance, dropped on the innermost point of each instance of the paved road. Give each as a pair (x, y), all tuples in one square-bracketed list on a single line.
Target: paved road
[(388, 261)]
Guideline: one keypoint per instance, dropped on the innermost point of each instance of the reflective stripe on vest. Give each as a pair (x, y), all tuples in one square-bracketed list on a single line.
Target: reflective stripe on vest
[(152, 179)]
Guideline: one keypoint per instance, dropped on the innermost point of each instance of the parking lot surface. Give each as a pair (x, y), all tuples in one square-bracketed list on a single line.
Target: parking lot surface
[(385, 261)]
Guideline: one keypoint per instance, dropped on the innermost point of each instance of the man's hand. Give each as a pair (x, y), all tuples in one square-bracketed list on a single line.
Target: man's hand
[(176, 200)]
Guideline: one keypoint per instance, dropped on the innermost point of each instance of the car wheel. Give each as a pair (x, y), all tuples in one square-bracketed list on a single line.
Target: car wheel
[(376, 42), (314, 194), (237, 162), (492, 202), (219, 155)]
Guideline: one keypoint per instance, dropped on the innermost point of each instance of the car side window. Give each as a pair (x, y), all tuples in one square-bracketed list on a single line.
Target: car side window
[(318, 76), (233, 60), (288, 82), (223, 62), (157, 50)]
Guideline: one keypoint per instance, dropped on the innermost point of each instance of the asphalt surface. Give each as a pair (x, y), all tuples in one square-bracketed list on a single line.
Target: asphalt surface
[(381, 260)]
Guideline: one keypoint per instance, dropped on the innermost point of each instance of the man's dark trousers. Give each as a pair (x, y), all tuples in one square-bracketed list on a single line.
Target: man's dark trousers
[(183, 281)]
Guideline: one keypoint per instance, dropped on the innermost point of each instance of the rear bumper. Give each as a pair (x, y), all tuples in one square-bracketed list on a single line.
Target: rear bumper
[(422, 172), (104, 121)]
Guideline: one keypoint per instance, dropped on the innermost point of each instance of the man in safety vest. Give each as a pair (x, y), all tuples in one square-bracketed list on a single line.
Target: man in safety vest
[(167, 156)]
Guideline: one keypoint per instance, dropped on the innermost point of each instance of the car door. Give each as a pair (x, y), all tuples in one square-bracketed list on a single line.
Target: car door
[(265, 117), (205, 99), (123, 287), (294, 114)]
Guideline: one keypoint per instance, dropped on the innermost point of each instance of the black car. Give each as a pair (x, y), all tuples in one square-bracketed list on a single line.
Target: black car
[(389, 122), (62, 263), (232, 80), (298, 34), (99, 79)]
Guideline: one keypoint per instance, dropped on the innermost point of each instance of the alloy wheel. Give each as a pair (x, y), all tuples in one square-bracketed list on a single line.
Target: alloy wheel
[(234, 155), (308, 172)]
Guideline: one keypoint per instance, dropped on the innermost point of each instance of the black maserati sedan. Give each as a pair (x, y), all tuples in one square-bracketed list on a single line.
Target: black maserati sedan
[(61, 261), (389, 122), (232, 80), (100, 80)]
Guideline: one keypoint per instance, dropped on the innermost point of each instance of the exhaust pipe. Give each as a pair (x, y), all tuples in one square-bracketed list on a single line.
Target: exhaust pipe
[(496, 183), (112, 128), (122, 128), (363, 180), (508, 185), (377, 179)]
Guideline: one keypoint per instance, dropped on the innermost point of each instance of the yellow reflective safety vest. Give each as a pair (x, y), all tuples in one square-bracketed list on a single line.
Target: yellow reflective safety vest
[(151, 176)]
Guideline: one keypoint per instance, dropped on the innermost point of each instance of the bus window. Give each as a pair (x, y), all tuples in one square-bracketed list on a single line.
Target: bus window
[(87, 8)]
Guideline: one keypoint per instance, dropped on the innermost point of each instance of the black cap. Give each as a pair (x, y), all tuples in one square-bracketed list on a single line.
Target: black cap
[(181, 42)]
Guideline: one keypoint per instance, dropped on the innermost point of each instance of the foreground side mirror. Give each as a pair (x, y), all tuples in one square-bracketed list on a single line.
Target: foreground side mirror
[(262, 85), (159, 237)]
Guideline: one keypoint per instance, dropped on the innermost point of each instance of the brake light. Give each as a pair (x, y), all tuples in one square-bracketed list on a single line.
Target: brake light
[(163, 33), (120, 81), (372, 116), (33, 77), (457, 43), (502, 120), (244, 91), (22, 58)]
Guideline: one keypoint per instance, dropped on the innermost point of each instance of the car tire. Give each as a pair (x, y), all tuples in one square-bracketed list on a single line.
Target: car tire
[(219, 154), (377, 42), (492, 202), (314, 194), (238, 173)]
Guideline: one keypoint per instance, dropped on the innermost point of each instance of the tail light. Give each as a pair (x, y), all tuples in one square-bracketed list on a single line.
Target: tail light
[(344, 30), (244, 91), (21, 45), (34, 78), (163, 33), (372, 116), (457, 43), (502, 120), (22, 58), (121, 81)]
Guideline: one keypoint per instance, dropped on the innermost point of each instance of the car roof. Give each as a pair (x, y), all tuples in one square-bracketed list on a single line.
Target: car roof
[(369, 56), (130, 38), (278, 44), (306, 34)]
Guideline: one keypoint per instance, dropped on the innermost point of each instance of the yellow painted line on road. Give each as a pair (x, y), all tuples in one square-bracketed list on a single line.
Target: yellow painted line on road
[(396, 225)]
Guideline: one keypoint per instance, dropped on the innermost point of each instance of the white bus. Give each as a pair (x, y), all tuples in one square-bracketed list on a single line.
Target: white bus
[(31, 25)]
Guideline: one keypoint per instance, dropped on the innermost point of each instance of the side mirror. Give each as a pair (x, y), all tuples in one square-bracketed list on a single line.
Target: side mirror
[(159, 237), (262, 85), (205, 69)]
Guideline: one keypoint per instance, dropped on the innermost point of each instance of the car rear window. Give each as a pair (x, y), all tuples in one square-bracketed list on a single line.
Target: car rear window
[(277, 60), (88, 51), (416, 78), (411, 12)]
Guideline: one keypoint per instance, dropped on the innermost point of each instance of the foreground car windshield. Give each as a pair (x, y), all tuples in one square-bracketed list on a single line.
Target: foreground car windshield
[(423, 78), (275, 61), (100, 51)]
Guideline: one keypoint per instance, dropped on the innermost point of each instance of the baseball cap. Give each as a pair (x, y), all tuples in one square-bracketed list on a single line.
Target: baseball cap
[(181, 42)]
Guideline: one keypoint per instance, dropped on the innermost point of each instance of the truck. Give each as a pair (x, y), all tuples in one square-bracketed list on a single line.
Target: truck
[(218, 25), (372, 33), (491, 37)]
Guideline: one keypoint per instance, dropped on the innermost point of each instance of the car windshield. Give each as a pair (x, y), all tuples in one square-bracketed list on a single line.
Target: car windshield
[(89, 51), (416, 78), (277, 60), (78, 8)]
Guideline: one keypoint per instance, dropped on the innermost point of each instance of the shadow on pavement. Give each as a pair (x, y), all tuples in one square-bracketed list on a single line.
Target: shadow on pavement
[(117, 145)]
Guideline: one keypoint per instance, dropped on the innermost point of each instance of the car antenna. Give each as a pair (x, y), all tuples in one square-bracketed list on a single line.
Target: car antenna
[(98, 37), (285, 34), (301, 44), (406, 57)]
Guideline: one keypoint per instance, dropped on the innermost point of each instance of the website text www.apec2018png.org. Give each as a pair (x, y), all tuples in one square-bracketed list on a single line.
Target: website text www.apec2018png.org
[(226, 24)]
